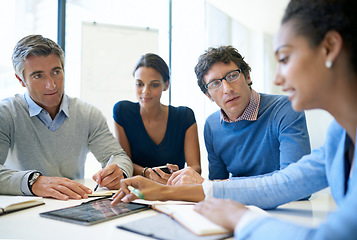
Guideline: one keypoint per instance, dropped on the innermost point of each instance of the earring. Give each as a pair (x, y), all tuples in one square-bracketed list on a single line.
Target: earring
[(328, 63)]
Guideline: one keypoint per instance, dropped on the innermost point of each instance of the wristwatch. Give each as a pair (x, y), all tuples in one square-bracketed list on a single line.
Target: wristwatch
[(32, 179)]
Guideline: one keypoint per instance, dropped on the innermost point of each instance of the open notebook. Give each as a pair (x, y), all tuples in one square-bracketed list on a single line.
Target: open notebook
[(183, 213), (14, 203), (193, 221)]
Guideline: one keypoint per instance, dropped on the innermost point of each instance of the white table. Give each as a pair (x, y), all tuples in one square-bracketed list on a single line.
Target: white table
[(309, 213), (27, 224)]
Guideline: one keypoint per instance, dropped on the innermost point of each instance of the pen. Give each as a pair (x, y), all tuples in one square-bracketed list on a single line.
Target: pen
[(136, 192), (108, 163)]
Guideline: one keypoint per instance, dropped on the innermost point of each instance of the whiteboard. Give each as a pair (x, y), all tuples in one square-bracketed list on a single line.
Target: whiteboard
[(109, 55)]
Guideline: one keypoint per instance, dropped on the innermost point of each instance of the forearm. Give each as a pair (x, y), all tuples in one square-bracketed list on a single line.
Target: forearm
[(138, 170), (191, 193), (197, 168), (10, 181)]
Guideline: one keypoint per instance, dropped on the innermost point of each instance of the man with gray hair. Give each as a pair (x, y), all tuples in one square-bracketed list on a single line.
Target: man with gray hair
[(45, 135)]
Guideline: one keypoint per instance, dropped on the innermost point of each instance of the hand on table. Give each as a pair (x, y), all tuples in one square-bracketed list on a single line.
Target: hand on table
[(185, 176), (224, 212), (109, 177), (59, 188)]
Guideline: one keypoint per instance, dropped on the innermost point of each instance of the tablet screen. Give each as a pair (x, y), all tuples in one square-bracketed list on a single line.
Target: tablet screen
[(94, 211)]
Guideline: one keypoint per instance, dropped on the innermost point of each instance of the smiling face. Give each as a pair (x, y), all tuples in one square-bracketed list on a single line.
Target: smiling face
[(232, 97), (301, 70), (44, 80), (149, 85)]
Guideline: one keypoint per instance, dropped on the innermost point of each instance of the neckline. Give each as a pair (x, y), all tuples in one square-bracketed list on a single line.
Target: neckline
[(147, 134)]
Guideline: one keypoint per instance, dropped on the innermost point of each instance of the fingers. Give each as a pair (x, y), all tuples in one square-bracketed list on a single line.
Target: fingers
[(224, 212), (160, 176), (96, 177), (151, 190), (59, 188), (109, 177), (185, 176), (176, 177), (173, 167), (124, 191)]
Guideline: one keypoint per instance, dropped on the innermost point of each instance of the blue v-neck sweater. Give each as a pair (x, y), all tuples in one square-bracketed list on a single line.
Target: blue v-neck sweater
[(277, 138)]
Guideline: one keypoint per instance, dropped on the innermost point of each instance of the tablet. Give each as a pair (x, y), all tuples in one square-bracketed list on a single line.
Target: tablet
[(94, 211)]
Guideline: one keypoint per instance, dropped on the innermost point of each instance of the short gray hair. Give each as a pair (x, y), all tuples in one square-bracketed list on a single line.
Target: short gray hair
[(34, 45)]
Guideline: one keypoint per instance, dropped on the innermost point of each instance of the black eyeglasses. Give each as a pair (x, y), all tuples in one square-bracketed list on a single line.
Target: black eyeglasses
[(217, 83)]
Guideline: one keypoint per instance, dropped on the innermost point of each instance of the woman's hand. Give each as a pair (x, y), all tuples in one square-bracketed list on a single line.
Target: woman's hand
[(157, 175), (224, 212), (150, 189)]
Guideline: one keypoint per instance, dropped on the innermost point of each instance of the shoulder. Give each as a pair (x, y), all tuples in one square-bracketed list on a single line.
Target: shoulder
[(335, 131), (279, 104), (125, 105), (270, 99), (79, 107), (13, 110), (183, 115), (124, 112), (181, 110), (13, 104), (213, 119), (214, 116)]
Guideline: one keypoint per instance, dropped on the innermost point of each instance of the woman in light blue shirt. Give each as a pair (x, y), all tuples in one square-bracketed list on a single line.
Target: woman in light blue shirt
[(317, 64), (316, 49)]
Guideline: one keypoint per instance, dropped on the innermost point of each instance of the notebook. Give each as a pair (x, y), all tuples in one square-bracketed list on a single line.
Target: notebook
[(193, 221), (103, 193), (162, 226), (14, 203)]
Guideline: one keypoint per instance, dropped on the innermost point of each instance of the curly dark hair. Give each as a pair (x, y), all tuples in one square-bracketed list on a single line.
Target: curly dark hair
[(314, 18), (224, 54)]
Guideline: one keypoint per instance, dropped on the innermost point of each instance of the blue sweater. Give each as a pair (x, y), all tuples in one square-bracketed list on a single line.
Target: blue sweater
[(276, 139), (322, 168)]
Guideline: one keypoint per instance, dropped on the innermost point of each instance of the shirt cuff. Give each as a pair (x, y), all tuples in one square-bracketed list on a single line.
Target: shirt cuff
[(24, 184), (124, 173), (207, 186), (249, 216)]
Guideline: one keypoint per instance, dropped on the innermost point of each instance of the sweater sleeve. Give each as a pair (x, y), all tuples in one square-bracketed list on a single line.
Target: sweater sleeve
[(10, 180), (292, 133), (281, 187), (103, 144), (341, 224), (217, 168)]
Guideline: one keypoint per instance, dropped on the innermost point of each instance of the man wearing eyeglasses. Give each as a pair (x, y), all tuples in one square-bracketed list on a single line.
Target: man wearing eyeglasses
[(253, 133)]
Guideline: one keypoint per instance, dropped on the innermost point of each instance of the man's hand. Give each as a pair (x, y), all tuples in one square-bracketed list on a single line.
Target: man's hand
[(109, 177), (185, 176), (59, 188), (151, 190), (224, 212)]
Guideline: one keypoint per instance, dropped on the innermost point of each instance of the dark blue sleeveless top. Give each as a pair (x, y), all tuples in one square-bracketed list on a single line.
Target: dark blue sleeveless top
[(144, 151)]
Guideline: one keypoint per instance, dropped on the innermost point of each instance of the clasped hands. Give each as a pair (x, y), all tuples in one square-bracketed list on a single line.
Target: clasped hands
[(64, 188)]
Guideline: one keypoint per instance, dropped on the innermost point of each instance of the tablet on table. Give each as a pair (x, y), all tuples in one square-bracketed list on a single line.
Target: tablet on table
[(94, 211)]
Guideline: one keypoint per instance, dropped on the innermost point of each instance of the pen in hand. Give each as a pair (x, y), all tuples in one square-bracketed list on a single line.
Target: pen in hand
[(108, 163), (136, 192)]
